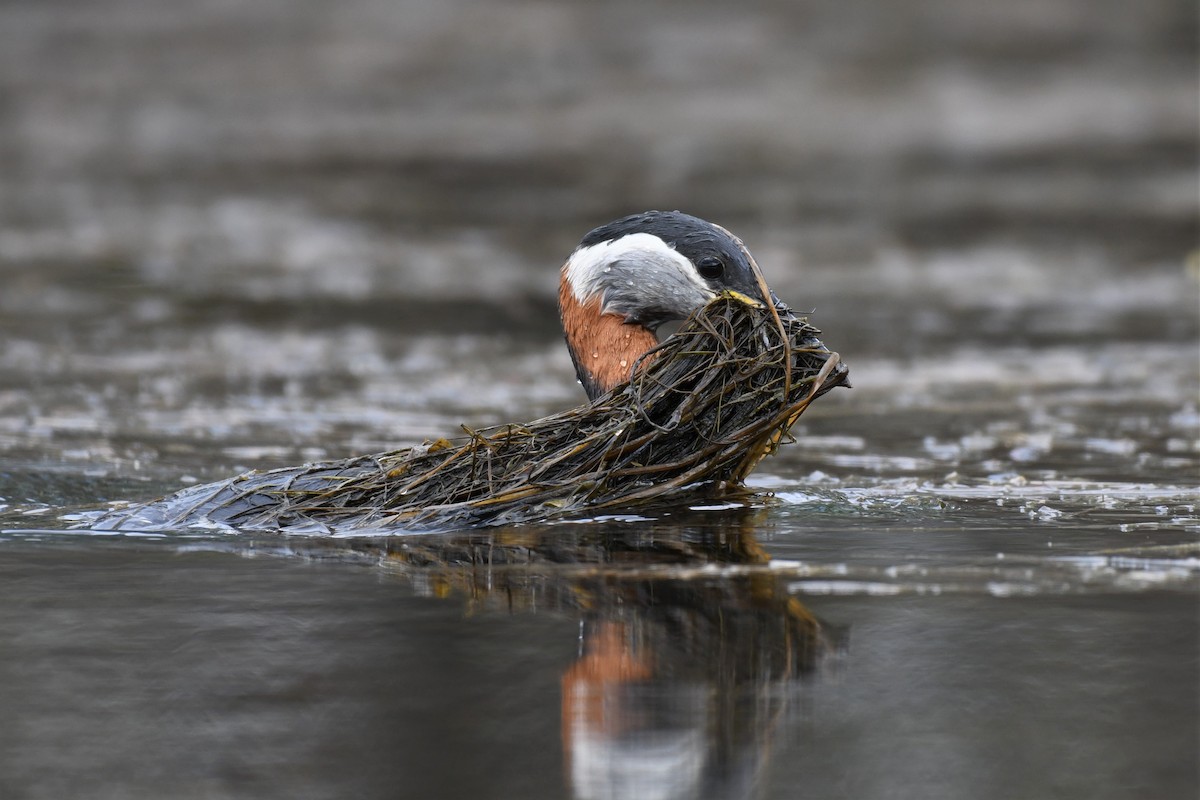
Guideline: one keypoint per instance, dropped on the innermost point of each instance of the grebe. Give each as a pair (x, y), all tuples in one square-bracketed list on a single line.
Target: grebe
[(628, 277), (699, 409)]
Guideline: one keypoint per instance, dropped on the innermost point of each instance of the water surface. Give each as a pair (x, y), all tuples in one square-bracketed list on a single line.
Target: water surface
[(976, 574)]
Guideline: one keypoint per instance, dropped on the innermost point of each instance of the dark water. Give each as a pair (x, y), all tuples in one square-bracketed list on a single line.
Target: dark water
[(238, 238)]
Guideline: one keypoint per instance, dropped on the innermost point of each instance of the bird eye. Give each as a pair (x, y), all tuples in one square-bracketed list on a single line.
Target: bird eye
[(710, 268)]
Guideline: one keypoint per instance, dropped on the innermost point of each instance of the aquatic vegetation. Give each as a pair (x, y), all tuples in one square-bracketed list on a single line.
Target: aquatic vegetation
[(703, 407)]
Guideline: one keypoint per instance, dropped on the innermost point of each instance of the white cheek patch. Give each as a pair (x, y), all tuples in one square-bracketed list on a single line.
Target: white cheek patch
[(615, 267)]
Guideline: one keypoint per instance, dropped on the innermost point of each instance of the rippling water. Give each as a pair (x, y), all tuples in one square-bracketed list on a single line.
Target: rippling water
[(976, 574)]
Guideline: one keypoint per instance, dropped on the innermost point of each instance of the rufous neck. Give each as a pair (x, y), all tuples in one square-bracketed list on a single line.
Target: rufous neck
[(603, 346)]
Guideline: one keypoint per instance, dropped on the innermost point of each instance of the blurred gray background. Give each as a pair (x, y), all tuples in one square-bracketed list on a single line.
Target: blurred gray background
[(403, 151), (267, 222)]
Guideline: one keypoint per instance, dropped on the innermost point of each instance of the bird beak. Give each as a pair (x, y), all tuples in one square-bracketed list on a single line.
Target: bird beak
[(744, 299)]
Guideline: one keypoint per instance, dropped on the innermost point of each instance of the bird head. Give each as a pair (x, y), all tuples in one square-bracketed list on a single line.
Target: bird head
[(628, 277)]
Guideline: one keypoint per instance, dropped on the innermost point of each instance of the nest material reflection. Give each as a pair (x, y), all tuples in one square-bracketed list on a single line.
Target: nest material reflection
[(703, 407)]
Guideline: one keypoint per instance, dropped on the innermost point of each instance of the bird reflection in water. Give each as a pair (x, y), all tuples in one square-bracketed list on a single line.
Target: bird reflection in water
[(690, 650)]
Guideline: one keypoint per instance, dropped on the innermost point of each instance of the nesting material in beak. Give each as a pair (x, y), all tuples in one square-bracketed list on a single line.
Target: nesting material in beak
[(711, 401)]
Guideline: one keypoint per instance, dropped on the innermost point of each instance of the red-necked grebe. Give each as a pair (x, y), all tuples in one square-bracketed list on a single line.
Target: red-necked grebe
[(699, 409)]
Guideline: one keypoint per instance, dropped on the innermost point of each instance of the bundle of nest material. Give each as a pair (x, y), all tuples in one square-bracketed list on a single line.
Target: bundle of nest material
[(703, 407)]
